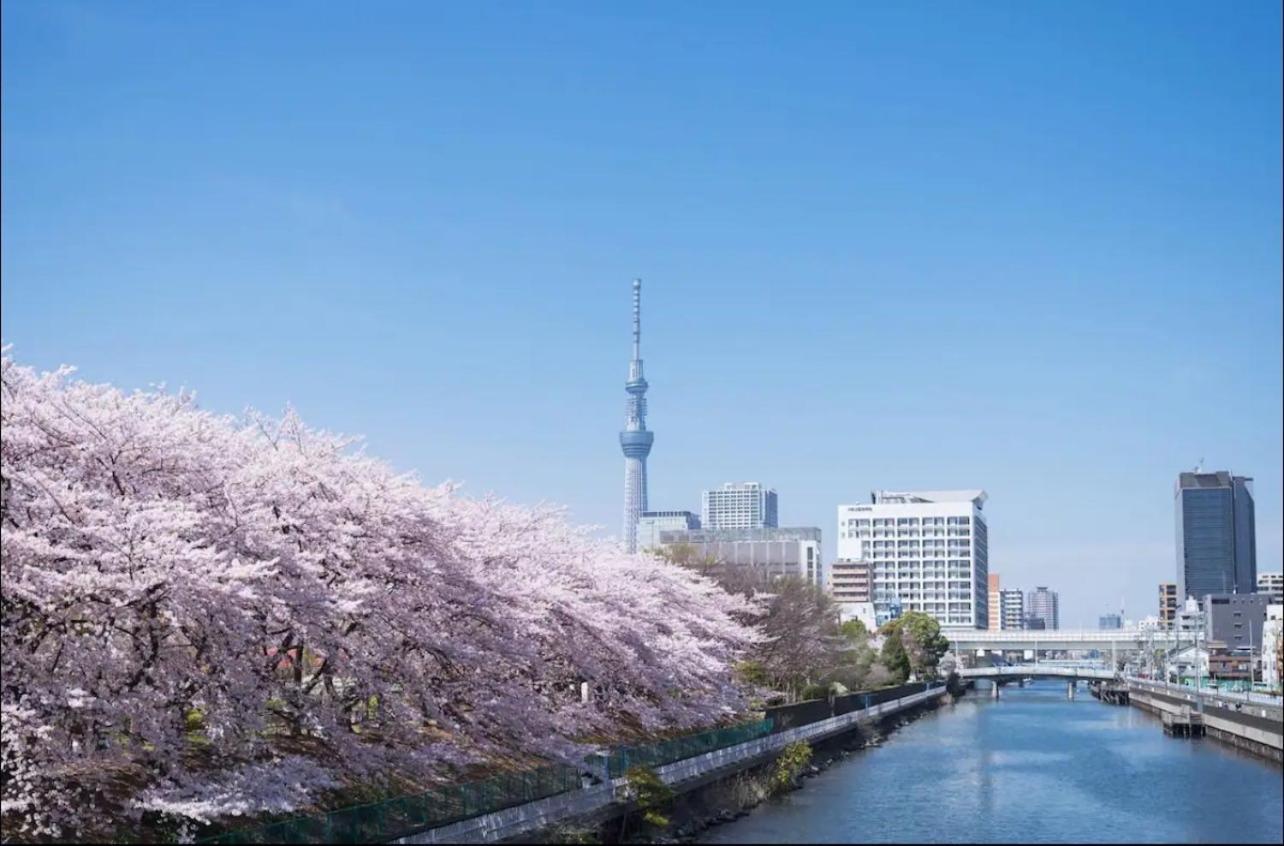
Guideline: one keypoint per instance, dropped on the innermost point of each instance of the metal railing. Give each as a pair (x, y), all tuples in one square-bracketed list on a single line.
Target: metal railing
[(1209, 693)]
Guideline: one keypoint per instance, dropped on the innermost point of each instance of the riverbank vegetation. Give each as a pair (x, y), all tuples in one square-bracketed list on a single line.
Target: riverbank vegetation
[(207, 618), (803, 651)]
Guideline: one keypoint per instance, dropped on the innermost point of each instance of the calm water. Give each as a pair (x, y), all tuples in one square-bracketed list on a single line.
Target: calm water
[(1031, 767)]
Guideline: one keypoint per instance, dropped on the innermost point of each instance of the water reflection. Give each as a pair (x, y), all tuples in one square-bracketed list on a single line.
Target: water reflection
[(1030, 767)]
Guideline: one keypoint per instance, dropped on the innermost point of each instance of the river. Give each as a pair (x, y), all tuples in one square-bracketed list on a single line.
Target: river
[(1030, 767)]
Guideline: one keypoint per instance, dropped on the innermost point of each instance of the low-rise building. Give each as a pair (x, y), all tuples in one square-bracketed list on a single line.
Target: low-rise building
[(1189, 619), (1110, 621), (1272, 661), (652, 523), (1187, 664), (772, 553), (1272, 585), (1226, 664), (1235, 619), (863, 611)]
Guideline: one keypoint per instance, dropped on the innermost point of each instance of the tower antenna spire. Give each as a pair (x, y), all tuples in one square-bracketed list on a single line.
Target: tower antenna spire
[(637, 319), (635, 440)]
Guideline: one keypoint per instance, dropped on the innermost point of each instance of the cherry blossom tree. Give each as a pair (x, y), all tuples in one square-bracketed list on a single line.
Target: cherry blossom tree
[(206, 616)]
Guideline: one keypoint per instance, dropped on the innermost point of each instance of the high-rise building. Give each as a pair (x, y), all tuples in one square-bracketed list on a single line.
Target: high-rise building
[(652, 523), (1041, 604), (1168, 604), (927, 549), (1012, 609), (994, 606), (771, 552), (1216, 534), (1110, 621), (635, 440), (739, 505), (1271, 584)]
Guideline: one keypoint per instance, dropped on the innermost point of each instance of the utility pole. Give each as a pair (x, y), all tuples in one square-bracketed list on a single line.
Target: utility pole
[(1199, 674)]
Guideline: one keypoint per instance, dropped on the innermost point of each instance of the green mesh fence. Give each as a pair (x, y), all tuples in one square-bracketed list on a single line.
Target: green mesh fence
[(407, 814), (667, 751), (388, 820)]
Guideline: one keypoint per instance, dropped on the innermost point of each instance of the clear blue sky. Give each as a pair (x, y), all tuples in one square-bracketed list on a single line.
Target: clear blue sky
[(1033, 247)]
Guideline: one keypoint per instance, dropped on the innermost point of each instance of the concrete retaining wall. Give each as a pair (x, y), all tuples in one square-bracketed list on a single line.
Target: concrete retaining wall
[(532, 816), (1262, 735)]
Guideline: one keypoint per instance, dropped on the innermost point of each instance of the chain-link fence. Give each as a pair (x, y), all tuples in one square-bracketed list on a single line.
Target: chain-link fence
[(381, 821), (667, 751)]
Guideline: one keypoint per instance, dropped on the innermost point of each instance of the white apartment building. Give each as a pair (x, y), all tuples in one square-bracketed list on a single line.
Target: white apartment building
[(927, 549), (1271, 584), (1011, 609), (1272, 642), (739, 505), (651, 523)]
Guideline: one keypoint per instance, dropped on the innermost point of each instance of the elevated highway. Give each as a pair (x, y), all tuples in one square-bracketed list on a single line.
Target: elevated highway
[(1062, 640)]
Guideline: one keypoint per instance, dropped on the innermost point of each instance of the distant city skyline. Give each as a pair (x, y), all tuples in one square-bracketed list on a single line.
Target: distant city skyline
[(899, 247)]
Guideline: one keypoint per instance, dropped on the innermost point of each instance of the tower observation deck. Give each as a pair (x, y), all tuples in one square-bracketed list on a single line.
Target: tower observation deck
[(635, 440)]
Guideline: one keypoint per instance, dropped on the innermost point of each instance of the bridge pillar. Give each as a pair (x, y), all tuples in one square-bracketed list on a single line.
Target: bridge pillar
[(994, 689), (1070, 690)]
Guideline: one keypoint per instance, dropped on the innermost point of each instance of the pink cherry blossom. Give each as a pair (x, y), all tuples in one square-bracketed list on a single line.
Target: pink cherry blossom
[(208, 616)]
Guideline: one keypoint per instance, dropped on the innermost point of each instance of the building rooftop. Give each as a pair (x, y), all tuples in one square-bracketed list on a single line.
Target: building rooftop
[(976, 496), (1219, 479)]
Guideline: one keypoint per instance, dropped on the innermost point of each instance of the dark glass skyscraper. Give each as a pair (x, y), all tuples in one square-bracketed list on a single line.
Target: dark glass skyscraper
[(1216, 534)]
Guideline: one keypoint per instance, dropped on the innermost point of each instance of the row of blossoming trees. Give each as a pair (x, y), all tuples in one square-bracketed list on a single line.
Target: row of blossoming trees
[(206, 616)]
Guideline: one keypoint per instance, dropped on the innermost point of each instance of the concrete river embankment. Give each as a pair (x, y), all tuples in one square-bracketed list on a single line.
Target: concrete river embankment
[(595, 802)]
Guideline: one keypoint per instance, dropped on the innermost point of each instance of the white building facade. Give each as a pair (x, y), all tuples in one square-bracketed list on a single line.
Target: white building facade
[(927, 549), (1012, 609), (739, 505), (772, 552), (1272, 642), (1271, 584)]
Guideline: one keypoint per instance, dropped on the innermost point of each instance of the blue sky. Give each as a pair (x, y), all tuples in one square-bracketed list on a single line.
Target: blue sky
[(1029, 247)]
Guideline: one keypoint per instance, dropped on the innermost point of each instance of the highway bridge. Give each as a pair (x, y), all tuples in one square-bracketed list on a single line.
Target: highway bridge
[(1062, 640)]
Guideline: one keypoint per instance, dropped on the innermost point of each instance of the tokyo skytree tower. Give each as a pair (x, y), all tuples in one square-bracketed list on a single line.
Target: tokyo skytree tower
[(635, 440)]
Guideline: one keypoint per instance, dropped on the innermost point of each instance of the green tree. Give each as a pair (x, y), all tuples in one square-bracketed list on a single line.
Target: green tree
[(855, 631), (921, 640), (893, 656)]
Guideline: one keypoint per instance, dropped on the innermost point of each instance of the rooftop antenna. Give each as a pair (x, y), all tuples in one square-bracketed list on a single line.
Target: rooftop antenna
[(1199, 468)]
